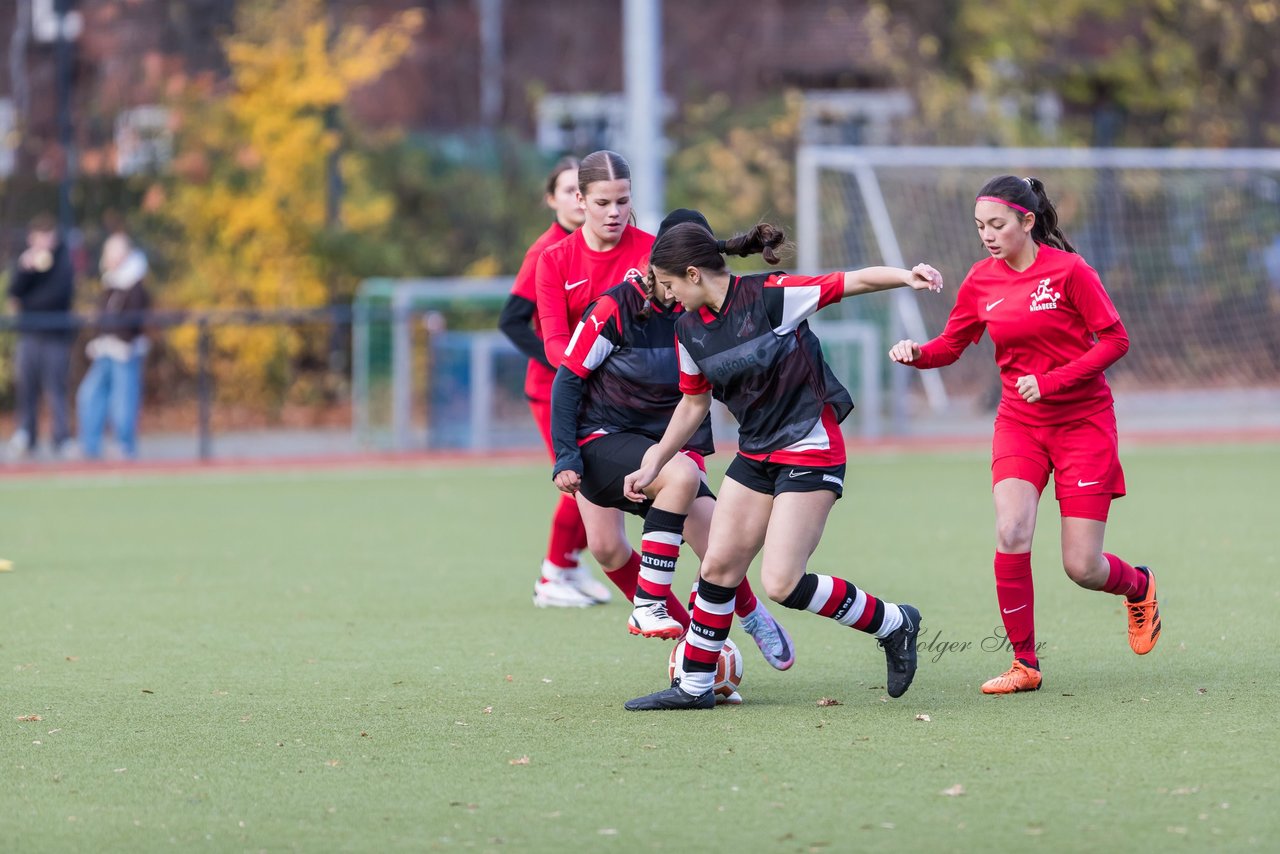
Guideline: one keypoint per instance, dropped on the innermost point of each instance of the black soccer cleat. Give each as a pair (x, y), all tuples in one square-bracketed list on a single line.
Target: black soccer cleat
[(900, 652), (674, 697)]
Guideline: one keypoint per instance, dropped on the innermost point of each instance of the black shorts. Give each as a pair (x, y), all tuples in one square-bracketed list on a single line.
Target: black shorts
[(607, 461), (777, 478)]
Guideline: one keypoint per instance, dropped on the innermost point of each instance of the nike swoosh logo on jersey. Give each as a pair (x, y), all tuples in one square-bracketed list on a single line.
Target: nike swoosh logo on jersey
[(569, 287), (1013, 610), (992, 305), (1088, 482), (795, 473)]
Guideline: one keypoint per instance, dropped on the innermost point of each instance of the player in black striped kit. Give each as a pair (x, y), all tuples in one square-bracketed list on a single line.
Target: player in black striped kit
[(613, 396), (747, 341)]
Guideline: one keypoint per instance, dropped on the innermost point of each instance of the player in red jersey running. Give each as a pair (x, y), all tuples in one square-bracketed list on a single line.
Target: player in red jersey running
[(746, 339), (1055, 331), (614, 395), (571, 275), (519, 321)]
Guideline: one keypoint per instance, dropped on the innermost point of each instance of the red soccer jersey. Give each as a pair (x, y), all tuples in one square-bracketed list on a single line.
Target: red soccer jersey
[(537, 378), (1043, 322), (571, 276), (789, 301)]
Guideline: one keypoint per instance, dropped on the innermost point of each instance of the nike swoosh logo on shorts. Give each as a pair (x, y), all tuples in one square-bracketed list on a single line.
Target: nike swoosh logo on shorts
[(992, 305), (1012, 610), (1088, 482), (569, 287), (795, 473)]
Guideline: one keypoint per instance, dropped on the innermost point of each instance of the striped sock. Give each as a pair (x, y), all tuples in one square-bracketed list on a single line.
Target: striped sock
[(839, 600), (712, 615), (659, 549)]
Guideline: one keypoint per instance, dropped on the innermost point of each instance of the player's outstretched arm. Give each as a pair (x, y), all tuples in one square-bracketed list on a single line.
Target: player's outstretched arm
[(685, 421), (870, 280)]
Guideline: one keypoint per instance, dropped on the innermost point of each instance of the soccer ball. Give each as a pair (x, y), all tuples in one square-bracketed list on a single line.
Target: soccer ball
[(728, 671)]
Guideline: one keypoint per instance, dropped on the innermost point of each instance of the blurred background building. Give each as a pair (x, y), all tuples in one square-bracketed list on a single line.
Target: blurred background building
[(272, 156)]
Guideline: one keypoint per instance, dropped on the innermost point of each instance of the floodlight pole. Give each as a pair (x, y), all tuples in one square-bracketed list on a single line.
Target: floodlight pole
[(642, 77)]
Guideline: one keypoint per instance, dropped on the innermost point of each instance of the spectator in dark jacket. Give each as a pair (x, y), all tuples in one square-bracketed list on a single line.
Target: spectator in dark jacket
[(112, 388), (40, 292)]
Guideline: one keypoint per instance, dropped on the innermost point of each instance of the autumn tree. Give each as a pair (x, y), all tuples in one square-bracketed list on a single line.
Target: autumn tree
[(249, 191), (1168, 72)]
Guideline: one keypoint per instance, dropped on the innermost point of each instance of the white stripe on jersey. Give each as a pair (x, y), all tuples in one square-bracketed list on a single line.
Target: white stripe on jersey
[(687, 364), (574, 339), (817, 440), (601, 349), (798, 303), (820, 595)]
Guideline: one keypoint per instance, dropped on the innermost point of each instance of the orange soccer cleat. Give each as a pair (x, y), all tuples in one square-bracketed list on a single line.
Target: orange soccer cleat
[(1019, 677), (1144, 618)]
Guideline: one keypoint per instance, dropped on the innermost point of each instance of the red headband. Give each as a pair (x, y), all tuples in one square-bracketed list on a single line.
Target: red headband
[(1003, 202)]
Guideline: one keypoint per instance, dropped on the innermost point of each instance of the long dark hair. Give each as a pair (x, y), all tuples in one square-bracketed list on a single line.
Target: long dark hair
[(1029, 194), (690, 245)]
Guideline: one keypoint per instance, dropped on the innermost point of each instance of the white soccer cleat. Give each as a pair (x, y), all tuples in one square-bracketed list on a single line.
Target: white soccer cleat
[(581, 579), (557, 594), (733, 698), (651, 620)]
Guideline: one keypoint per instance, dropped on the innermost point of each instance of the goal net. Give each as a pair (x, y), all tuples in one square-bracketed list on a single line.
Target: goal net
[(1186, 241)]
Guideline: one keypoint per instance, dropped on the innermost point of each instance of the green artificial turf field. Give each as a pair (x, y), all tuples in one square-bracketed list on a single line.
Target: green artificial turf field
[(346, 661)]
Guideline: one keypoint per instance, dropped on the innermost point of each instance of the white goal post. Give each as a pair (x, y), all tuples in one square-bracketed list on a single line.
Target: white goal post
[(1187, 242)]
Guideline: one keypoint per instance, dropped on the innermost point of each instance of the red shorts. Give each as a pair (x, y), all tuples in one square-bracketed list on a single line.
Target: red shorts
[(541, 410), (1083, 456)]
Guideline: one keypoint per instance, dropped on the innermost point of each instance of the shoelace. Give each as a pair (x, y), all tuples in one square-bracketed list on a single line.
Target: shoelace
[(1138, 613)]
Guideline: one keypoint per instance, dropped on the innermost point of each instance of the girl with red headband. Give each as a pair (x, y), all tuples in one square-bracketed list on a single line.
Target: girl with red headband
[(1055, 331)]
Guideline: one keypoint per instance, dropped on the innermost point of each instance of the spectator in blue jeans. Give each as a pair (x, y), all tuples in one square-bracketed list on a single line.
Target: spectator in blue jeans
[(40, 292), (112, 387)]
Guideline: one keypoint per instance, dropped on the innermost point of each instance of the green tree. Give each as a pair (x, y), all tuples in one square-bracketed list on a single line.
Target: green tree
[(1197, 72)]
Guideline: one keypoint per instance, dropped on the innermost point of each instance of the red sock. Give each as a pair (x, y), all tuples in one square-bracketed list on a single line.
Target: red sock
[(625, 579), (745, 600), (568, 534), (1016, 597), (1125, 580)]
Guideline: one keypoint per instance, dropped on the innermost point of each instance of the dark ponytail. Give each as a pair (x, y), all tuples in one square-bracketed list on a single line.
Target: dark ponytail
[(690, 245), (1028, 194)]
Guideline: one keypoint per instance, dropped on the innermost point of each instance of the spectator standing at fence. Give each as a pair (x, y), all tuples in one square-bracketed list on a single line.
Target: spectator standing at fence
[(519, 322), (571, 275), (1055, 331), (112, 388), (40, 293)]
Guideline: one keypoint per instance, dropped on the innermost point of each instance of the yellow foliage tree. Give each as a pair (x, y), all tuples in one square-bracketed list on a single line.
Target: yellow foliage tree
[(249, 196)]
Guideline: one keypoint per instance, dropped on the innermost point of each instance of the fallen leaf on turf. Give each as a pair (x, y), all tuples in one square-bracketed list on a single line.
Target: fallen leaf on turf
[(547, 681), (121, 770), (52, 731), (924, 718), (953, 791), (828, 701), (1202, 690), (488, 710), (510, 678), (333, 763), (523, 760), (73, 658), (364, 734), (147, 691), (24, 718)]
